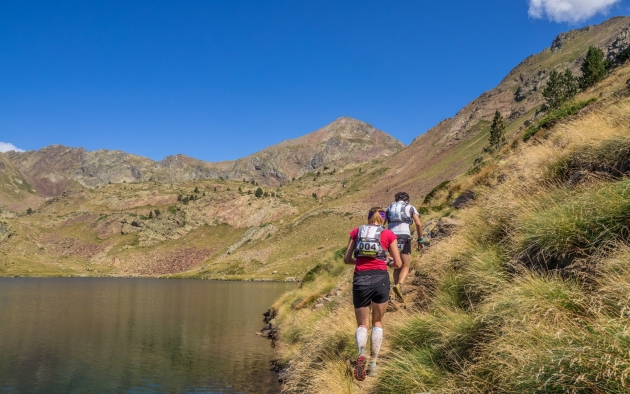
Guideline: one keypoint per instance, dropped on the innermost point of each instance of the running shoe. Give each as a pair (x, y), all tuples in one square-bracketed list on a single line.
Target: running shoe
[(359, 369), (398, 291), (372, 370)]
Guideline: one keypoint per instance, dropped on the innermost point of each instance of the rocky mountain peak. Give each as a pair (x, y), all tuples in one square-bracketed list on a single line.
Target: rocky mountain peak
[(345, 140), (345, 128)]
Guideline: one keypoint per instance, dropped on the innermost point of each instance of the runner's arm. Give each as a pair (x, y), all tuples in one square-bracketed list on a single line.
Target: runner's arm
[(393, 251), (416, 220), (348, 258)]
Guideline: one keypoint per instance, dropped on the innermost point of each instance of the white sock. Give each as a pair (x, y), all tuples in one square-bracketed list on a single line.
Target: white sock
[(377, 340), (361, 337)]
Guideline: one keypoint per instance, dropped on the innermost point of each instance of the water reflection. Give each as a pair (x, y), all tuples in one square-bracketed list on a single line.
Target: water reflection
[(134, 335)]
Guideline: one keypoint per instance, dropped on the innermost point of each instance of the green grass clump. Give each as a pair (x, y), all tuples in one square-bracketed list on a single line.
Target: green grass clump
[(550, 359), (449, 333), (312, 274), (613, 284), (483, 271), (331, 268), (548, 337), (429, 349), (611, 157), (476, 169), (435, 190), (423, 210), (557, 115), (565, 225), (537, 298), (450, 292), (410, 372)]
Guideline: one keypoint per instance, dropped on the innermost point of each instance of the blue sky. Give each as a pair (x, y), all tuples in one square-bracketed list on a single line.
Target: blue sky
[(218, 80)]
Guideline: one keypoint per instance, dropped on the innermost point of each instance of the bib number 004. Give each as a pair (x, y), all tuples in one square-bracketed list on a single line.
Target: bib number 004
[(368, 246)]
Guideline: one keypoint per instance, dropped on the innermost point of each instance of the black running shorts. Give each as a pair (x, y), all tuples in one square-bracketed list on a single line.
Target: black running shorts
[(405, 241), (370, 287)]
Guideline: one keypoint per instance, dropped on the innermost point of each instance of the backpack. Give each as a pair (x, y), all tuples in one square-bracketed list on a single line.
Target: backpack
[(397, 212), (369, 242)]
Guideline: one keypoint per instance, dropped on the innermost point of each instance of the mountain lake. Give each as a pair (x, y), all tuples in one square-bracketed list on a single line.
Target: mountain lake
[(131, 335)]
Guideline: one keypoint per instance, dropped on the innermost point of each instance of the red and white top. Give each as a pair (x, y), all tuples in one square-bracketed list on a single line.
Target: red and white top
[(371, 263)]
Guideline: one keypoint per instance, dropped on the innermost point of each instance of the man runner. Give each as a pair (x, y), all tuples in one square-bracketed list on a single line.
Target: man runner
[(400, 215)]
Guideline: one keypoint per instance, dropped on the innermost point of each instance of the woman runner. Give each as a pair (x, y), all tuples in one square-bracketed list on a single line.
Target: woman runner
[(367, 250)]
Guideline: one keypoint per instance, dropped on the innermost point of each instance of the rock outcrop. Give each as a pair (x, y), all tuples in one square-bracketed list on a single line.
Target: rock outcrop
[(5, 231), (620, 45), (463, 199)]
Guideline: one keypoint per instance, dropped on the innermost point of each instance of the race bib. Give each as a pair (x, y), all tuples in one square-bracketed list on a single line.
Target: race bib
[(366, 248)]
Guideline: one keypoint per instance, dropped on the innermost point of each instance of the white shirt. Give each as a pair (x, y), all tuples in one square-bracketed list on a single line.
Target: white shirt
[(402, 228)]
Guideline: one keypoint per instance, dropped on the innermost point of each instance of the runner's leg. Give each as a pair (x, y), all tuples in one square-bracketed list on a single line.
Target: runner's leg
[(400, 275), (363, 322)]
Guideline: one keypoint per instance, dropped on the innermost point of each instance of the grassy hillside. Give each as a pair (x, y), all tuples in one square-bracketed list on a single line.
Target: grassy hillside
[(221, 230), (530, 293), (449, 148)]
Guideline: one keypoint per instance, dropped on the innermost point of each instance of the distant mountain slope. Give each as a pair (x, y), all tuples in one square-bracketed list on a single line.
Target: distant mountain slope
[(450, 148), (345, 140), (15, 190)]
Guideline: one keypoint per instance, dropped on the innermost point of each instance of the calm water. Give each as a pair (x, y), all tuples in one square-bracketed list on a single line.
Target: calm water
[(92, 335)]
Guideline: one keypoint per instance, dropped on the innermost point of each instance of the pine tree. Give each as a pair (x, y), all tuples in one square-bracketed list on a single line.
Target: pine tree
[(593, 68), (561, 87), (150, 214), (240, 190), (29, 211), (196, 190), (259, 192), (497, 131)]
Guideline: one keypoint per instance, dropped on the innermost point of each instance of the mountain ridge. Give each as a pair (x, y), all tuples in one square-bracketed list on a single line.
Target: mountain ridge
[(345, 139), (516, 97)]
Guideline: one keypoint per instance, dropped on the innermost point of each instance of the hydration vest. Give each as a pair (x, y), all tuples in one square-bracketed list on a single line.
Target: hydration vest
[(369, 243), (397, 212)]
